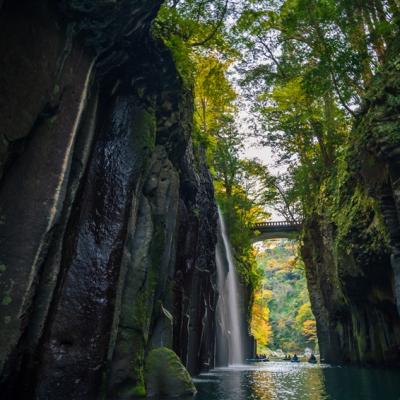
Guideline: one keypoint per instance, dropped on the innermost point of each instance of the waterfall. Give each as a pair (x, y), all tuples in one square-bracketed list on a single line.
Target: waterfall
[(229, 315)]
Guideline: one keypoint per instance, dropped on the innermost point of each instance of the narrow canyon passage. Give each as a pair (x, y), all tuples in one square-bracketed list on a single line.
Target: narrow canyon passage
[(284, 328), (282, 322)]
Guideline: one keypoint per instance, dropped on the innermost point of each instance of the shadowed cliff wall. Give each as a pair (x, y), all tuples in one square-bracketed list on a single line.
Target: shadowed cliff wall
[(351, 238), (108, 219)]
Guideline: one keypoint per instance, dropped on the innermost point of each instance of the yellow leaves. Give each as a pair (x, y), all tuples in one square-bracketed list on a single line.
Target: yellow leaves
[(263, 296), (260, 326), (273, 263), (304, 313), (306, 322), (285, 305), (257, 213), (310, 330)]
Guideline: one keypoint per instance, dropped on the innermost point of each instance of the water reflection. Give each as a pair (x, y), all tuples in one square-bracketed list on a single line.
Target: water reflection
[(286, 381)]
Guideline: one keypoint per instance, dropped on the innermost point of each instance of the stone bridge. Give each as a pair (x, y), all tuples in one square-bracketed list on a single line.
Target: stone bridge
[(276, 230)]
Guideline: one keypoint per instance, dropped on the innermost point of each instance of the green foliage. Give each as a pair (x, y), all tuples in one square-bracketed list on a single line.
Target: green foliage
[(138, 391), (260, 325), (305, 322), (344, 202), (214, 102), (290, 316), (165, 375), (197, 34), (306, 68), (242, 189), (191, 29)]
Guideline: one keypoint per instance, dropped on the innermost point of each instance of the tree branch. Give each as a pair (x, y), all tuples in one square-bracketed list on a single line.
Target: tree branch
[(216, 28), (337, 90)]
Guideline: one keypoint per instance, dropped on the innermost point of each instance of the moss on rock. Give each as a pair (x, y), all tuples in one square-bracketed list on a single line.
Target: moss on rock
[(165, 375)]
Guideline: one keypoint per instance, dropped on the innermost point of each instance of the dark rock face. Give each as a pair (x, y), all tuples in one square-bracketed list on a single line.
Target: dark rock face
[(92, 254), (380, 146), (196, 290), (107, 216), (352, 254), (352, 297)]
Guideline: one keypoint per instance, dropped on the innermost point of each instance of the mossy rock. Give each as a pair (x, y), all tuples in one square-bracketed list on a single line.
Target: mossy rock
[(166, 376)]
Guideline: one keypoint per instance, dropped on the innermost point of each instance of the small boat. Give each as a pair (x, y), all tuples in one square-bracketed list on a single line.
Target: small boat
[(257, 359), (312, 359), (294, 361)]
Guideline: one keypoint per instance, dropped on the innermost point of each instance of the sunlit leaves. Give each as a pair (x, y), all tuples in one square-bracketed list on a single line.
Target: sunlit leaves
[(289, 312), (310, 330), (260, 325), (196, 22), (305, 321), (214, 94)]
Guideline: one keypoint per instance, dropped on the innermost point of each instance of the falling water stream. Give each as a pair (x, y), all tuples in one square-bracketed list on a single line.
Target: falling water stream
[(231, 303)]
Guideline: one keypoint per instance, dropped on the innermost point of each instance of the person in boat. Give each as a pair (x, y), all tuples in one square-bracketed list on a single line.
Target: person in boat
[(295, 358), (312, 359)]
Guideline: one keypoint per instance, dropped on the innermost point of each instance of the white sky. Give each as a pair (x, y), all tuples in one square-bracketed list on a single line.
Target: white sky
[(265, 154)]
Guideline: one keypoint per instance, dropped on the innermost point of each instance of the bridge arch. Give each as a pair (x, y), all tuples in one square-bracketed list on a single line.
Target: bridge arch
[(276, 230)]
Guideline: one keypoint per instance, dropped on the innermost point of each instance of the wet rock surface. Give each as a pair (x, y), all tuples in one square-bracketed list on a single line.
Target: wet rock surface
[(352, 298), (92, 256), (352, 254), (108, 218)]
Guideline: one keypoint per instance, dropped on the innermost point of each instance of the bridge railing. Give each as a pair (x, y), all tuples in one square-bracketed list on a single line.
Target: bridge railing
[(277, 224)]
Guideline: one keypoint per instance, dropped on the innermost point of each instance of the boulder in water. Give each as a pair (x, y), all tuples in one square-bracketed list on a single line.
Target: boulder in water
[(165, 375)]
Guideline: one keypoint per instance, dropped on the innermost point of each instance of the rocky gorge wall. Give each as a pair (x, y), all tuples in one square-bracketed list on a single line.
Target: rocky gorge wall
[(107, 213), (352, 239)]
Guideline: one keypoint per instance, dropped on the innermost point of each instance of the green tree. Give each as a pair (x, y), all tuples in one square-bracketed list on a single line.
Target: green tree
[(305, 323), (197, 34), (306, 66)]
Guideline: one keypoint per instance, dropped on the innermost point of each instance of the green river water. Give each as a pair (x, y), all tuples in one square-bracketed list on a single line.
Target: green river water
[(303, 381)]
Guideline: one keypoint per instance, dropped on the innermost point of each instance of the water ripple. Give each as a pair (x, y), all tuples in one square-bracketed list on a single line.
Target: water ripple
[(288, 381)]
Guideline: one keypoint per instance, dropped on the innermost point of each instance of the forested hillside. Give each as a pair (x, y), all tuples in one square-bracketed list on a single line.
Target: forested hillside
[(282, 317)]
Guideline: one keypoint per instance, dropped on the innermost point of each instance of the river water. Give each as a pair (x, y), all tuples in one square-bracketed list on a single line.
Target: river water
[(303, 381)]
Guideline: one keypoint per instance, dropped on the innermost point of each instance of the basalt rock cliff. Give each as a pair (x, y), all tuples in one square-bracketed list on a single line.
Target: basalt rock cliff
[(107, 213), (351, 244)]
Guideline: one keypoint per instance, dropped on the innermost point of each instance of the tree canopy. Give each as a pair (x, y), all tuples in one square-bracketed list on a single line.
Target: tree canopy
[(300, 70)]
